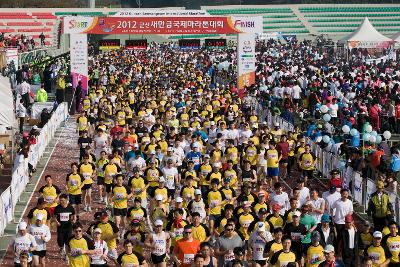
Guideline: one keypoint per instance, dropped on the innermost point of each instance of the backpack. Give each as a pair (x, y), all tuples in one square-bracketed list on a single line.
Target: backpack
[(395, 164)]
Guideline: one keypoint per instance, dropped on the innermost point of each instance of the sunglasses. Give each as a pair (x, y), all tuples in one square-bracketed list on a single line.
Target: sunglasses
[(187, 232), (229, 229), (78, 231)]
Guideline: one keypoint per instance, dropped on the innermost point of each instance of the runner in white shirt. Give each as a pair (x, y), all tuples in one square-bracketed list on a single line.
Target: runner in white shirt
[(171, 177), (330, 198), (23, 242), (101, 249), (280, 197), (42, 235), (317, 205), (257, 241), (137, 161), (159, 242), (343, 207)]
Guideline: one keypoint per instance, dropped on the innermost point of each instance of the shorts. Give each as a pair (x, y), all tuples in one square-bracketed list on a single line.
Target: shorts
[(214, 217), (98, 265), (283, 161), (155, 259), (120, 212), (109, 188), (308, 173), (75, 199), (272, 172), (41, 253), (261, 262), (86, 187), (100, 180), (112, 254), (150, 190), (171, 192), (51, 210), (19, 265)]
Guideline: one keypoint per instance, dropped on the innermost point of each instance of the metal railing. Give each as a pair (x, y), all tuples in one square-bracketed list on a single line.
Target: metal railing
[(360, 187)]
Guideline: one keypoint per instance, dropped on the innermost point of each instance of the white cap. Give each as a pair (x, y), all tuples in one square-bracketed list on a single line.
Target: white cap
[(22, 225), (39, 216), (206, 156), (276, 124), (158, 222), (261, 227), (161, 179), (377, 234), (212, 123), (97, 230), (153, 152), (217, 164), (179, 199), (197, 192), (169, 149), (329, 248), (159, 197), (135, 145)]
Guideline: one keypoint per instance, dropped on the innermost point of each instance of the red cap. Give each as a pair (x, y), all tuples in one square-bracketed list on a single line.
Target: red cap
[(348, 218)]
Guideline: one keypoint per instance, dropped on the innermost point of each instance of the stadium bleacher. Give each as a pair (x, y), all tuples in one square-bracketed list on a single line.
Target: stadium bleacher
[(345, 19)]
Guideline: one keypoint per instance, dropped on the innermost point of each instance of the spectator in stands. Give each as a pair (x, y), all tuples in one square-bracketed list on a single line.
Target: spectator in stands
[(379, 207), (42, 39), (24, 90)]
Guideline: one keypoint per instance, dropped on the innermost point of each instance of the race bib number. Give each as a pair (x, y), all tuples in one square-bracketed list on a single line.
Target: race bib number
[(137, 217), (64, 217), (111, 175), (214, 203), (178, 232), (74, 182), (394, 247), (251, 153), (374, 257), (188, 258), (229, 256), (75, 252), (246, 224), (315, 259), (307, 163), (119, 196), (100, 172), (86, 175)]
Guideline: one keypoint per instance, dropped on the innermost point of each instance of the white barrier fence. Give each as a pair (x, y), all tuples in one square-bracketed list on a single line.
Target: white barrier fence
[(360, 188), (20, 176)]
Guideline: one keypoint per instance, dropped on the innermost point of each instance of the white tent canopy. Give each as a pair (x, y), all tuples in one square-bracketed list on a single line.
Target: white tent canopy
[(366, 36), (396, 37), (7, 116)]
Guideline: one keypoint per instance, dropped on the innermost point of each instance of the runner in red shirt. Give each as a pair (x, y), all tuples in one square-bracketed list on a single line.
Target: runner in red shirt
[(186, 248), (283, 150)]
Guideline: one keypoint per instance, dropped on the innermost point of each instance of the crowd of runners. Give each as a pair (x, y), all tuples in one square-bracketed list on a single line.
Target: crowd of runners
[(188, 173)]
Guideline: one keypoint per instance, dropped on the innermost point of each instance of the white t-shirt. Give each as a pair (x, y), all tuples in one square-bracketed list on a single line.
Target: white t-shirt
[(343, 208), (330, 199), (169, 175), (296, 90), (101, 249), (282, 199), (257, 244), (304, 194), (38, 232), (316, 204), (22, 244)]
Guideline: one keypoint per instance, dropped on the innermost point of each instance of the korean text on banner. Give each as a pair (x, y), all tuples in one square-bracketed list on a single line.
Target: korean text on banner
[(357, 187), (246, 52), (371, 188), (162, 25), (7, 205), (79, 60)]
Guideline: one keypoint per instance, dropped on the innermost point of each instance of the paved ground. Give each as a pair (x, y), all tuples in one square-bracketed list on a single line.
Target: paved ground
[(65, 152)]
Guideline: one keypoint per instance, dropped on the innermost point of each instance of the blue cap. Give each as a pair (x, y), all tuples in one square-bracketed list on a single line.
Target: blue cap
[(325, 218)]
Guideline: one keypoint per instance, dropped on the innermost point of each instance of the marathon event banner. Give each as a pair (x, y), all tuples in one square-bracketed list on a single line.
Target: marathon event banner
[(162, 25), (79, 60), (246, 60)]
